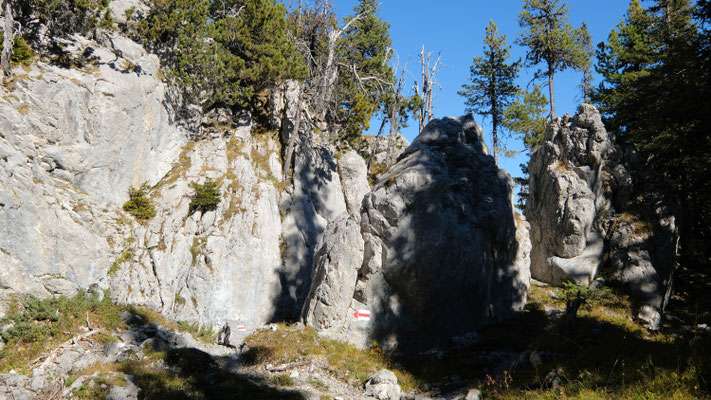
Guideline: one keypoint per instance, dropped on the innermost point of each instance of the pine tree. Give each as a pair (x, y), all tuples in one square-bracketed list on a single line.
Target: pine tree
[(222, 51), (551, 40), (527, 117), (585, 42), (624, 62), (491, 85), (364, 53), (655, 96)]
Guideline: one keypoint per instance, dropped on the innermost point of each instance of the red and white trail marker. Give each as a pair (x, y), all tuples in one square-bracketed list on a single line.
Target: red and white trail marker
[(241, 328), (362, 315)]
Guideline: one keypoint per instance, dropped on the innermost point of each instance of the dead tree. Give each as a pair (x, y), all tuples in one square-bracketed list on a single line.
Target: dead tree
[(428, 83), (8, 40), (329, 72), (395, 113), (288, 156), (571, 310)]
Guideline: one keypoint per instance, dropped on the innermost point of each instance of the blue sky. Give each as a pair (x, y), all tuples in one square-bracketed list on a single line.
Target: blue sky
[(456, 28)]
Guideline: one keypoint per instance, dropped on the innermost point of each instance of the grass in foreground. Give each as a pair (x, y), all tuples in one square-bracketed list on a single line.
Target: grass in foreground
[(345, 361), (193, 374), (35, 326)]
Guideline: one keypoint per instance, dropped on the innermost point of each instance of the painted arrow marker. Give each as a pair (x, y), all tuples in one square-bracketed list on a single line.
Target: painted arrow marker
[(241, 329), (362, 315)]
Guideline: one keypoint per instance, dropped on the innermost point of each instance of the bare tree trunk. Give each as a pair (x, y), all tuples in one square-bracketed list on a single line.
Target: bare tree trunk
[(495, 125), (394, 114), (330, 70), (552, 94), (8, 40), (292, 140), (426, 93), (423, 96), (374, 144), (391, 138)]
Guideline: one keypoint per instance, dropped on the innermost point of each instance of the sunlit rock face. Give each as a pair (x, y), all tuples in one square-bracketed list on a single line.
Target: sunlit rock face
[(440, 250), (566, 191), (594, 205)]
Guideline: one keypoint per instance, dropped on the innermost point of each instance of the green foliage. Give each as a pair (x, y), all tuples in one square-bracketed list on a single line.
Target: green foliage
[(364, 54), (655, 66), (138, 204), (282, 380), (592, 296), (125, 256), (37, 324), (623, 61), (585, 43), (492, 87), (21, 52), (289, 344), (527, 117), (551, 40), (61, 18), (222, 51), (194, 374), (202, 333), (207, 196)]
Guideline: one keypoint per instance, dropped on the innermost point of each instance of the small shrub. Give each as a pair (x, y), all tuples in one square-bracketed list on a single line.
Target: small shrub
[(593, 296), (35, 325), (138, 204), (125, 256), (21, 52), (202, 333), (282, 380), (207, 196)]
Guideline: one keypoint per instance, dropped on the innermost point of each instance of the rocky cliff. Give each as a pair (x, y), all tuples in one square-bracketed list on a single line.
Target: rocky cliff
[(73, 142), (434, 243), (595, 209), (438, 251)]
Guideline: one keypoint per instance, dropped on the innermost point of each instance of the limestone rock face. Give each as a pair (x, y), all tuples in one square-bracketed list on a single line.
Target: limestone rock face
[(218, 266), (566, 190), (316, 199), (379, 146), (591, 200), (440, 221), (72, 141), (354, 177), (339, 257)]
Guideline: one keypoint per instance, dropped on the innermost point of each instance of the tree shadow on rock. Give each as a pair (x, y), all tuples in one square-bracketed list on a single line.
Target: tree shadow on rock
[(450, 242), (314, 169)]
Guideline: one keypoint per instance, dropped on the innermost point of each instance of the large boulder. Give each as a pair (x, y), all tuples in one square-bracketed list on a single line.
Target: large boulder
[(339, 257), (592, 200), (382, 386), (438, 226), (566, 190)]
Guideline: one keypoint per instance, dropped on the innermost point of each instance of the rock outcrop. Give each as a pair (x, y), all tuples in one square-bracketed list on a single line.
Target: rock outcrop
[(385, 150), (591, 200), (566, 189), (325, 187), (439, 221), (72, 142)]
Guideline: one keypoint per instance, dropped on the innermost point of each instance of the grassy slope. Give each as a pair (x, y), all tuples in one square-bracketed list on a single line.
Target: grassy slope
[(605, 356)]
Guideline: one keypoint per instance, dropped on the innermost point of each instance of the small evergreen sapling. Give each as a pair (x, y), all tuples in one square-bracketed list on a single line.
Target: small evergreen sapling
[(207, 196), (138, 204)]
